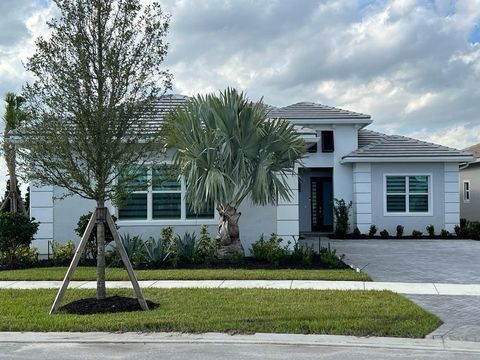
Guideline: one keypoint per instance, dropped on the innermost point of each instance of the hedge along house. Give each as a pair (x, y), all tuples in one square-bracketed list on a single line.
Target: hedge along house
[(390, 180)]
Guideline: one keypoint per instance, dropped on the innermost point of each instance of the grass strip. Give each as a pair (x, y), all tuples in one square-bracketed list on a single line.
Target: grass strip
[(341, 312), (84, 273)]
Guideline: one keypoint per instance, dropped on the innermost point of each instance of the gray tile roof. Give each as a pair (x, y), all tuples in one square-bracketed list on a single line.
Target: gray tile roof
[(163, 105), (318, 112), (377, 145), (474, 149)]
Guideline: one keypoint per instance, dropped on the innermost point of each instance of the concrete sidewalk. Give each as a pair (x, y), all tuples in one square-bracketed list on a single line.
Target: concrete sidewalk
[(223, 338), (398, 287)]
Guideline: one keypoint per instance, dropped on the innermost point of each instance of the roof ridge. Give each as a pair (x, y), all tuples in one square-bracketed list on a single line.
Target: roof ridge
[(334, 110)]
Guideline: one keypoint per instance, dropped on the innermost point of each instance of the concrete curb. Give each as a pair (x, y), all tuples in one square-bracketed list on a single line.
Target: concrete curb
[(258, 338), (398, 287)]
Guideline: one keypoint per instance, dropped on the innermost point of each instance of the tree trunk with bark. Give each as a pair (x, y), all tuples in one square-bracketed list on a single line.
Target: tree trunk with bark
[(101, 213), (229, 232)]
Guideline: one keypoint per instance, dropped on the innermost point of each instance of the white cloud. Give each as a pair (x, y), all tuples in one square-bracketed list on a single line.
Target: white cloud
[(407, 63), (457, 136)]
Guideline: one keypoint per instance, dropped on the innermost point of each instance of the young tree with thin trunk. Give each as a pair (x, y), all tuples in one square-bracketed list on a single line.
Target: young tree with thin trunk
[(228, 150), (14, 117), (96, 80)]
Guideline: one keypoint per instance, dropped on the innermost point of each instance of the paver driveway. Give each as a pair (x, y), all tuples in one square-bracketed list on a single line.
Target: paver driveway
[(441, 261)]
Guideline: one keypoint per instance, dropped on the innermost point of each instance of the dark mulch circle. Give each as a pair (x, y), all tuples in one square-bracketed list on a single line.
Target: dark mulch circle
[(110, 304)]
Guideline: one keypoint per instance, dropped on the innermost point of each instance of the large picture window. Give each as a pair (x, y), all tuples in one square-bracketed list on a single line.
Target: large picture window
[(158, 194), (407, 194)]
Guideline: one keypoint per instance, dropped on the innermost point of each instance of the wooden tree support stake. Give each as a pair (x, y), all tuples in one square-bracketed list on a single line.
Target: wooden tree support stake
[(79, 252)]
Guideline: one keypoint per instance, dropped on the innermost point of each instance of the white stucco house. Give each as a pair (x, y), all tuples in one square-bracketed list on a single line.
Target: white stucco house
[(391, 180)]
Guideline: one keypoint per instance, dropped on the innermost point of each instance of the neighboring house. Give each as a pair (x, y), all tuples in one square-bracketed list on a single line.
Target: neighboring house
[(391, 180), (470, 186)]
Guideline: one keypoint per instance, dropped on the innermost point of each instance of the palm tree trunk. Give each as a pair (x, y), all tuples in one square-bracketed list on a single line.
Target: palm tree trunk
[(101, 292), (229, 232)]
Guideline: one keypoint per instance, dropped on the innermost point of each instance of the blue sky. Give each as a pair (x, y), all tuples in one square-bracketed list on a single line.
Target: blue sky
[(413, 65)]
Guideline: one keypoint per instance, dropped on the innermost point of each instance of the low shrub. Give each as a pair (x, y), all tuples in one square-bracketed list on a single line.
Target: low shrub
[(431, 230), (458, 230), (134, 247), (468, 229), (372, 231), (16, 233), (341, 210), (26, 255), (384, 234), (156, 253), (206, 247), (303, 254), (270, 250), (62, 254), (188, 243), (172, 243), (238, 258), (444, 233), (330, 259), (417, 233), (400, 229), (356, 232), (308, 256), (472, 229), (91, 247)]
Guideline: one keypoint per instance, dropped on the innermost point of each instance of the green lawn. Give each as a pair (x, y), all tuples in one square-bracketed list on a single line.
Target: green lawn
[(89, 273), (361, 313)]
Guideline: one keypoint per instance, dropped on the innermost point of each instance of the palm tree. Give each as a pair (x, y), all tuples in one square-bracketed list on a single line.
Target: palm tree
[(13, 118), (228, 149)]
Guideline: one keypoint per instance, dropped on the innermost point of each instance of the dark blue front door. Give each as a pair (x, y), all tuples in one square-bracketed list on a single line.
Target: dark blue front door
[(321, 195)]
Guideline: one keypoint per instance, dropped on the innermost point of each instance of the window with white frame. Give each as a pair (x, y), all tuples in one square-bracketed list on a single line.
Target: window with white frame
[(407, 194), (466, 191), (159, 195)]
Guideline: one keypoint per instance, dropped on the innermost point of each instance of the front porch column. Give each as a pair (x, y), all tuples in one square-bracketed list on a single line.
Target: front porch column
[(287, 212), (362, 197)]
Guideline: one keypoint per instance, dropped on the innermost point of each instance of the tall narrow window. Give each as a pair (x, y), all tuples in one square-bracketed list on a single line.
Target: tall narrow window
[(407, 194), (166, 193), (327, 141), (136, 206), (396, 194), (466, 191)]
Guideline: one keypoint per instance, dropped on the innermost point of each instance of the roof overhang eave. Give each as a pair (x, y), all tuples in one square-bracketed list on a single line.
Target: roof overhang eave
[(414, 159), (311, 123)]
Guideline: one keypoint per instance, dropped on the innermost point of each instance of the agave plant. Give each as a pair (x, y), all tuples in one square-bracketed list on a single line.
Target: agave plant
[(228, 150), (133, 245), (156, 251), (188, 242)]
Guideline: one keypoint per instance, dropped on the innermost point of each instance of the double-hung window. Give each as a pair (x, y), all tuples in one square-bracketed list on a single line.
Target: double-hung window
[(159, 195), (166, 194), (407, 194), (136, 206)]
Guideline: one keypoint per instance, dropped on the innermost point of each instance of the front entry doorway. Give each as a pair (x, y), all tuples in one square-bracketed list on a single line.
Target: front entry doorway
[(321, 204)]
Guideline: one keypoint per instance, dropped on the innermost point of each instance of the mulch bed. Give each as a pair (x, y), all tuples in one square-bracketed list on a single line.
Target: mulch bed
[(405, 237), (110, 304)]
